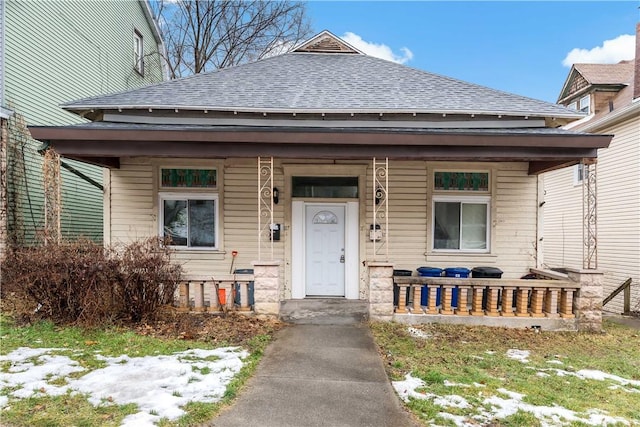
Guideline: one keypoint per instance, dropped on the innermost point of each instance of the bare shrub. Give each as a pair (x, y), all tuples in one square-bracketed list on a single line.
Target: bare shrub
[(83, 282), (149, 280), (68, 282)]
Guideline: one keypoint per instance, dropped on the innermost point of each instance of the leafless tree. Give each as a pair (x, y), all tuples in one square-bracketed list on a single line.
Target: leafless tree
[(205, 35)]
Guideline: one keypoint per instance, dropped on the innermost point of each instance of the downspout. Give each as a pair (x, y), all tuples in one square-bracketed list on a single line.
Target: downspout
[(45, 146)]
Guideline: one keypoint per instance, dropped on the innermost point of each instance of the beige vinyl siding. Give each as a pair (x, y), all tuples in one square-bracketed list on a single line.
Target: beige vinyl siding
[(618, 204), (619, 211), (562, 219), (133, 208)]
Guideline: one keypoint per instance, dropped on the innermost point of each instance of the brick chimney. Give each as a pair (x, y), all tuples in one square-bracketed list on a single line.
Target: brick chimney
[(636, 66)]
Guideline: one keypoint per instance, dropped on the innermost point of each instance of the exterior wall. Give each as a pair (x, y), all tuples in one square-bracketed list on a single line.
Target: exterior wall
[(131, 211), (618, 195), (56, 52)]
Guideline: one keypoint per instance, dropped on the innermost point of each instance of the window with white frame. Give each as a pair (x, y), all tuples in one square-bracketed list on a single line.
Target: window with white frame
[(585, 104), (138, 52), (461, 223), (188, 204), (573, 106)]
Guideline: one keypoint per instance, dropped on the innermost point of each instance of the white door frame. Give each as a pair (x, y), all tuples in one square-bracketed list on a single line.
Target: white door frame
[(351, 249)]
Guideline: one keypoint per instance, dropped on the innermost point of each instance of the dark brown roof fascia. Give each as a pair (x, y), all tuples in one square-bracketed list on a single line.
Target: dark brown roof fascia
[(329, 137)]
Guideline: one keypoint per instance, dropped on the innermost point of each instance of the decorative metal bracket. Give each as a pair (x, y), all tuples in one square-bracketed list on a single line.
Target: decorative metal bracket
[(589, 216), (265, 208), (380, 203)]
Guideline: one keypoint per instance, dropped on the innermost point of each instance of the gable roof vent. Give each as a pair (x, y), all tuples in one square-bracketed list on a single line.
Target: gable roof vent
[(326, 42)]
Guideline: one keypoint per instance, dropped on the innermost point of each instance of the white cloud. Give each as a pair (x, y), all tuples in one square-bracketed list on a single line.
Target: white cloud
[(611, 52), (378, 50)]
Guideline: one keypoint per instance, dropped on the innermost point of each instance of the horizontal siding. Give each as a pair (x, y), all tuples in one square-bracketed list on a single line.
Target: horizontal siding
[(56, 52), (134, 215), (618, 194)]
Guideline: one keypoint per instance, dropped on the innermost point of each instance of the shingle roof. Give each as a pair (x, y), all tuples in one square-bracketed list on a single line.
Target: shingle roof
[(598, 74), (324, 82)]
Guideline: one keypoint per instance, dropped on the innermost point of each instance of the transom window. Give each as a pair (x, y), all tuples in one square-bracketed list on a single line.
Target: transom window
[(460, 181), (325, 186), (188, 178), (461, 223)]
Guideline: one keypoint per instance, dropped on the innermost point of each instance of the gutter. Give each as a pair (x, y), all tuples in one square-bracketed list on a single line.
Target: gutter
[(629, 111), (45, 146)]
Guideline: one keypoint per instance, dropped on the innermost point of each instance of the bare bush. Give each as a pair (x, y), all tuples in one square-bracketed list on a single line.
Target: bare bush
[(68, 282), (149, 280), (83, 282)]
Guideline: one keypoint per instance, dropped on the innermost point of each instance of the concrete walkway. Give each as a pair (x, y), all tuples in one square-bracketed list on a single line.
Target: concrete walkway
[(318, 375)]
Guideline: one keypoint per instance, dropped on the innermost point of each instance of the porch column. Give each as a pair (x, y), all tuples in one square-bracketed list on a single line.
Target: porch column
[(266, 287), (381, 290), (588, 302)]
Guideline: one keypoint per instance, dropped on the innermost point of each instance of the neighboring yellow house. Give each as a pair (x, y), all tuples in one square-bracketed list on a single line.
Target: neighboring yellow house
[(610, 95), (356, 166)]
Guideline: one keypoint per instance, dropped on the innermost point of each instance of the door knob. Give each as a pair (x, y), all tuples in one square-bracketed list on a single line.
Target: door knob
[(342, 259)]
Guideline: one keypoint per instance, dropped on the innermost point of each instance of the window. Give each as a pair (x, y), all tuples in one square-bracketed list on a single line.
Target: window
[(191, 221), (461, 223), (189, 207), (138, 52), (325, 187), (585, 104), (573, 106)]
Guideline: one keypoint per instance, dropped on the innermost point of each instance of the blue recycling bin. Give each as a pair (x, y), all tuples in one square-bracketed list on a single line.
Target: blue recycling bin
[(461, 272), (429, 272), (237, 287)]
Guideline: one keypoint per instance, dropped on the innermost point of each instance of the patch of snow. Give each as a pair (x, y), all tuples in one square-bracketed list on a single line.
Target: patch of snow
[(521, 355), (501, 407), (453, 401), (407, 388), (555, 362), (490, 352), (159, 385), (417, 333)]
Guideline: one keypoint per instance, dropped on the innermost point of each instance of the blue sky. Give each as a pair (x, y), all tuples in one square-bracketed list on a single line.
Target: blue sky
[(515, 46)]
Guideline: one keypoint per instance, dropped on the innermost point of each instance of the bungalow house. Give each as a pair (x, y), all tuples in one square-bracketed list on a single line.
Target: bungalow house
[(610, 96), (327, 171)]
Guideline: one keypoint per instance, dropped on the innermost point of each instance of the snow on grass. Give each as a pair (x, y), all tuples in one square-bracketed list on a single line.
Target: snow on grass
[(521, 355), (505, 404), (159, 385), (417, 333)]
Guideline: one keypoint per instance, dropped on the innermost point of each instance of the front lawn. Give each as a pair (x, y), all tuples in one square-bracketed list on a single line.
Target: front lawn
[(179, 370), (457, 375)]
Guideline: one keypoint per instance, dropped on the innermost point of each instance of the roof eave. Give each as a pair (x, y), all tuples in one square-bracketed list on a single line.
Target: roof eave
[(92, 111)]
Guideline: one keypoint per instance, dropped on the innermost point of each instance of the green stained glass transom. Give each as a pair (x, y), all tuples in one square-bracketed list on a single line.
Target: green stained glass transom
[(189, 178), (461, 181)]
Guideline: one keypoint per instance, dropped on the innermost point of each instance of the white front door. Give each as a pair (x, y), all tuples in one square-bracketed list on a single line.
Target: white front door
[(325, 250)]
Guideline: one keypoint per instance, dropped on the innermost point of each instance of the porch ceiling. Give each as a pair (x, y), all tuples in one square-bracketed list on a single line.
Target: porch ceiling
[(104, 144)]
